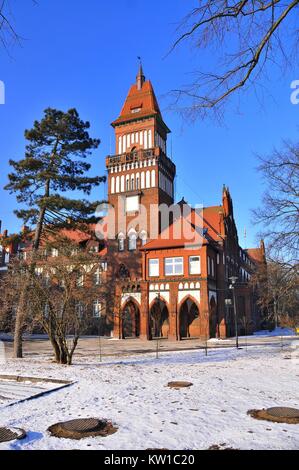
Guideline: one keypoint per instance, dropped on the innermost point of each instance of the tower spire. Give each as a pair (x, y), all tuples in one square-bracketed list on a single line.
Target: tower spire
[(140, 79)]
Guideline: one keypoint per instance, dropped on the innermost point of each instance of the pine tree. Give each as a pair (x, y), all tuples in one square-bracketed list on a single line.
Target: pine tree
[(54, 164)]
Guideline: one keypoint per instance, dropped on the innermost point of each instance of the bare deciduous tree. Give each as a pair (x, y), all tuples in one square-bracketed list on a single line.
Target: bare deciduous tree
[(278, 287), (243, 37), (279, 213), (59, 297)]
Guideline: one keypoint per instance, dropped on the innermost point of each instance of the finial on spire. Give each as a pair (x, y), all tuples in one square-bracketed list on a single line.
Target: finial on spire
[(140, 79)]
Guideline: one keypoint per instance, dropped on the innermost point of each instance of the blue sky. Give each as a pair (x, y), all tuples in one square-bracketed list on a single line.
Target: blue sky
[(83, 54)]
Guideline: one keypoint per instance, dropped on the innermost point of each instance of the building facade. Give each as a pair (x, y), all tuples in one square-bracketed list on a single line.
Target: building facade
[(169, 284), (171, 267)]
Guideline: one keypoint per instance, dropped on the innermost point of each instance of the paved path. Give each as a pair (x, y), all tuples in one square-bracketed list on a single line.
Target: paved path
[(91, 346)]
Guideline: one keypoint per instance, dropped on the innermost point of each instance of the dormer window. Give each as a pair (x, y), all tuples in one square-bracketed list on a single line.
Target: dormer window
[(135, 110)]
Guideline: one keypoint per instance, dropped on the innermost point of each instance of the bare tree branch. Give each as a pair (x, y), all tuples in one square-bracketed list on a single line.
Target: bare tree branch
[(246, 36)]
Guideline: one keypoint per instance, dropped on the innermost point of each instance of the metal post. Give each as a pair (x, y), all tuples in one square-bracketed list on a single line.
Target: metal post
[(233, 280), (236, 319)]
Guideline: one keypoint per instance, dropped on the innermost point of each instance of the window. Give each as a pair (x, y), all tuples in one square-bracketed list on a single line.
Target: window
[(153, 267), (121, 244), (97, 277), (79, 309), (132, 204), (132, 242), (143, 237), (80, 280), (54, 252), (194, 264), (96, 310), (174, 266), (212, 267), (135, 110)]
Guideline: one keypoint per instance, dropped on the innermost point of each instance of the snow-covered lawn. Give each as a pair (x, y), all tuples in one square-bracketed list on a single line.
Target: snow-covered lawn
[(132, 392)]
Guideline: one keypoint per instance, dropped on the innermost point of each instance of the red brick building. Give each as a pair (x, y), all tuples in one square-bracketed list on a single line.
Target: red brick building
[(169, 264), (170, 283)]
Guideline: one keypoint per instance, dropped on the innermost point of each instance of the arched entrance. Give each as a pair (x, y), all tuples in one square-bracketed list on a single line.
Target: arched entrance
[(130, 320), (189, 319), (159, 320), (213, 317)]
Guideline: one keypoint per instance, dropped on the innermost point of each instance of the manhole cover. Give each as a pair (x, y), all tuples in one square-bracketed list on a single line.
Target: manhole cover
[(179, 384), (283, 412), (10, 434), (277, 414), (80, 428), (83, 425)]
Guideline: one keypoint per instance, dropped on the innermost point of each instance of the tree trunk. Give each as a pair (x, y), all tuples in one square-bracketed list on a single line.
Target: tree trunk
[(18, 333)]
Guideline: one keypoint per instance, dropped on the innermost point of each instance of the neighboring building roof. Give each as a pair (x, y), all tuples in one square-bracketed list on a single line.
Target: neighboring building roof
[(196, 228), (256, 254)]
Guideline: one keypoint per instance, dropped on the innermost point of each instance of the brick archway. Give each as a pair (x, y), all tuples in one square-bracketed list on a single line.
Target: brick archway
[(189, 326), (130, 320), (159, 319)]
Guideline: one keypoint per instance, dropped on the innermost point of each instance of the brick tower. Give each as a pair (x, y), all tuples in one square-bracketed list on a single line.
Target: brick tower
[(140, 177)]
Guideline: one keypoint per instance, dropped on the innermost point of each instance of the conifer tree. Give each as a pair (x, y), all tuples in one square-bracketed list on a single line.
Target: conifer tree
[(54, 165)]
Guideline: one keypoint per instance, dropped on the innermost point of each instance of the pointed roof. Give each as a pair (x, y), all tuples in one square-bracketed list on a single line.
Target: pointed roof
[(141, 102)]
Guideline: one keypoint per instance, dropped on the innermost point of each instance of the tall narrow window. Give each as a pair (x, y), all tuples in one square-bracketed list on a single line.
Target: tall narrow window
[(112, 185), (153, 267), (97, 307), (150, 139), (153, 178), (121, 242), (148, 179), (132, 241), (145, 140), (194, 265), (97, 277)]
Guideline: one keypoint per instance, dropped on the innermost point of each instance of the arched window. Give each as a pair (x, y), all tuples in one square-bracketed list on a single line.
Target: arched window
[(145, 140), (117, 185), (121, 242), (122, 183), (142, 180), (119, 145), (148, 179), (150, 139), (112, 185), (143, 237), (137, 185), (153, 175), (132, 240), (132, 182), (127, 183)]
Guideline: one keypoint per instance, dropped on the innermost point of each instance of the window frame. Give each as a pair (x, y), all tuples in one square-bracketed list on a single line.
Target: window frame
[(173, 264), (157, 264), (199, 260)]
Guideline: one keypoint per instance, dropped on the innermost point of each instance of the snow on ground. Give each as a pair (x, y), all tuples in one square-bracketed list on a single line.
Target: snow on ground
[(277, 332), (132, 393)]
